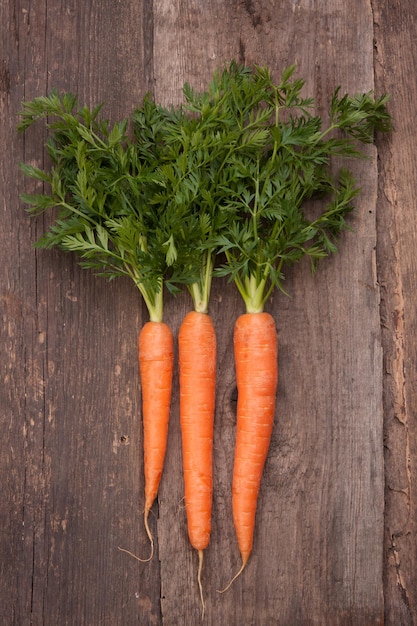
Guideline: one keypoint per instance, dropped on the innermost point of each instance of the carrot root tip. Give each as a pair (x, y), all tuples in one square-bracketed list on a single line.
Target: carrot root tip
[(200, 586), (229, 584), (134, 556), (148, 532)]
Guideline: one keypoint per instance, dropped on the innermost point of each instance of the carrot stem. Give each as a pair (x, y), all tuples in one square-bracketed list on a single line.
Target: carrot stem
[(200, 290)]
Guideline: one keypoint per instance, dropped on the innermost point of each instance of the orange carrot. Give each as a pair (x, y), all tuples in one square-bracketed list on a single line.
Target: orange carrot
[(156, 366), (197, 366), (256, 362)]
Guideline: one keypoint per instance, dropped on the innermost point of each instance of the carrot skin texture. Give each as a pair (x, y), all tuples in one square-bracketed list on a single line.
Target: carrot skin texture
[(156, 359), (256, 363), (197, 367)]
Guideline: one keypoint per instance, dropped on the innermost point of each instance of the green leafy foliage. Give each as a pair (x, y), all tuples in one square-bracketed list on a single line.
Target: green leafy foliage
[(275, 168), (103, 190), (244, 169)]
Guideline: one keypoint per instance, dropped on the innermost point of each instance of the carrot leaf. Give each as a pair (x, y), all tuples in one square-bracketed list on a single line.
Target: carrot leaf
[(103, 192), (244, 171), (276, 163)]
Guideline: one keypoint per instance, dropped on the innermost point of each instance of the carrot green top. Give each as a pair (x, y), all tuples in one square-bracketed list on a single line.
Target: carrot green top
[(192, 190), (269, 155), (101, 184), (235, 171)]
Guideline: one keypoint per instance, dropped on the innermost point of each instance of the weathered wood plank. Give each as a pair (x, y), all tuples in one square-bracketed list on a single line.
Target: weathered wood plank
[(70, 398), (317, 553), (22, 461), (396, 32)]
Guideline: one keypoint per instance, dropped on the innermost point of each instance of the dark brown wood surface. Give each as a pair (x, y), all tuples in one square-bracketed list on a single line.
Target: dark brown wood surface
[(396, 29), (336, 533)]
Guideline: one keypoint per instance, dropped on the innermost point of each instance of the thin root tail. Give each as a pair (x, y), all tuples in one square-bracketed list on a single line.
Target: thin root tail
[(148, 532), (229, 584), (200, 586)]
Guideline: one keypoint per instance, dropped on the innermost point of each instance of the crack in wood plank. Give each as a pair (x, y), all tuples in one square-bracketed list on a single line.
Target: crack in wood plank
[(394, 255)]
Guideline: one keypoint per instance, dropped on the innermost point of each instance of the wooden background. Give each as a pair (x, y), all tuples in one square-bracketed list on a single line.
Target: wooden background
[(336, 539)]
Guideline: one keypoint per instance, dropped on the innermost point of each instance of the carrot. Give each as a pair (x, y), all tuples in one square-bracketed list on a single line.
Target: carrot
[(197, 367), (256, 353), (156, 366)]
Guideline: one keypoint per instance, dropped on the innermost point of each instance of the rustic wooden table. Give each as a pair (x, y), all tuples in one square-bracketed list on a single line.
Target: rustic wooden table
[(336, 539)]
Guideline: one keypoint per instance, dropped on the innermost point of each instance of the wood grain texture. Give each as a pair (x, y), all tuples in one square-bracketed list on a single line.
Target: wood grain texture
[(396, 31), (72, 459), (71, 451)]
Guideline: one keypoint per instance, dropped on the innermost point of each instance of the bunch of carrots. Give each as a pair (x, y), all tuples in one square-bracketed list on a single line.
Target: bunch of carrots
[(216, 187)]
